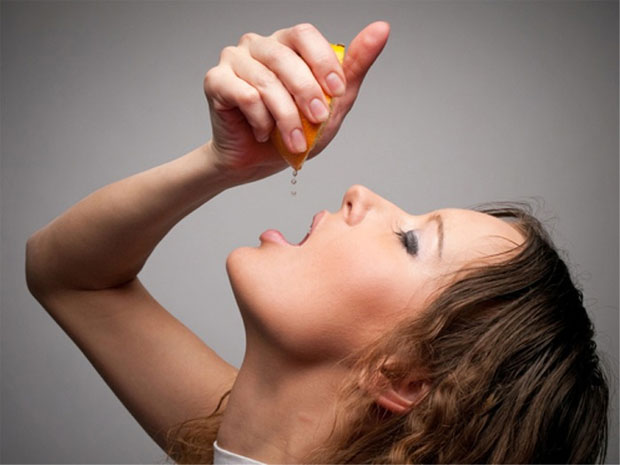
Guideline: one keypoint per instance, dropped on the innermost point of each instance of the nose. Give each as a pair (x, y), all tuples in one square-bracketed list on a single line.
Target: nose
[(356, 203)]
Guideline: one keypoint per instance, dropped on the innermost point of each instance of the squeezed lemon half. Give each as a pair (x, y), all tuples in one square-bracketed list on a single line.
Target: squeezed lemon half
[(312, 131)]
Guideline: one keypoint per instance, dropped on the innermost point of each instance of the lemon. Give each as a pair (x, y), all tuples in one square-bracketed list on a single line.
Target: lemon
[(312, 131)]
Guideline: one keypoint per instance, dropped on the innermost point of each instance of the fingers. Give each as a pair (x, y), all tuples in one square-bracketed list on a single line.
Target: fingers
[(226, 91), (269, 78), (283, 69), (314, 49)]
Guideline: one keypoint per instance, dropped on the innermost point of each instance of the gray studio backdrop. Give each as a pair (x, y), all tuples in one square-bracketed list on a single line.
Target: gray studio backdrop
[(470, 102)]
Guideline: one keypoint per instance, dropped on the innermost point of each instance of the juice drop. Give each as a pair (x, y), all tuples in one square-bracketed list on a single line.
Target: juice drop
[(293, 182)]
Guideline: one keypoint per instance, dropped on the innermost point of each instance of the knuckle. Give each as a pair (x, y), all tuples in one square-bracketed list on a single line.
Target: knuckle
[(280, 33), (272, 52), (249, 97), (290, 116), (228, 53), (303, 29), (303, 87), (266, 79), (210, 78), (247, 38), (325, 58)]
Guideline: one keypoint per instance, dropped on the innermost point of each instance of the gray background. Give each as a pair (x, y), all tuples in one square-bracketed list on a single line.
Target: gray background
[(470, 102)]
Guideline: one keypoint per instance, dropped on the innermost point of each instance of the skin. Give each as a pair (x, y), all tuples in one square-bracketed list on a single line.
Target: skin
[(352, 278), (303, 308), (307, 307)]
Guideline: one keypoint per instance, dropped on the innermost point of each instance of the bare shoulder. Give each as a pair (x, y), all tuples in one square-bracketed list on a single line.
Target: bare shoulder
[(158, 368)]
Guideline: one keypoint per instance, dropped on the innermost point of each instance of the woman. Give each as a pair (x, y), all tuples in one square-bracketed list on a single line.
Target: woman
[(452, 336)]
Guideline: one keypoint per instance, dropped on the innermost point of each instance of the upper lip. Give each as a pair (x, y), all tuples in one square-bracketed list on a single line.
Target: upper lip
[(316, 219), (315, 222)]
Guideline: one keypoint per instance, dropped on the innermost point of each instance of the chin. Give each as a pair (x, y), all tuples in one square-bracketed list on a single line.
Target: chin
[(282, 309), (249, 272), (235, 259), (239, 264), (257, 279)]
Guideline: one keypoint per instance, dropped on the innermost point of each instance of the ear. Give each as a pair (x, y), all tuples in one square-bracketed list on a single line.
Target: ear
[(402, 395)]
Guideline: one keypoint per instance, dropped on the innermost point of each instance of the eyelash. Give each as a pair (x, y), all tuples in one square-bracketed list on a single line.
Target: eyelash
[(409, 241)]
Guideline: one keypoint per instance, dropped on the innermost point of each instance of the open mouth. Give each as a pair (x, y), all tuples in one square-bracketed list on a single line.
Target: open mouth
[(275, 236), (315, 222)]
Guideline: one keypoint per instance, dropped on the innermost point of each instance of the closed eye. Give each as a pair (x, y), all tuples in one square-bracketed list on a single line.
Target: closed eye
[(410, 241)]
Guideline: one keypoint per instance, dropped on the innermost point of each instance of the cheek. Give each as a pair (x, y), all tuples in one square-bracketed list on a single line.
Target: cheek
[(371, 289), (285, 300), (323, 302)]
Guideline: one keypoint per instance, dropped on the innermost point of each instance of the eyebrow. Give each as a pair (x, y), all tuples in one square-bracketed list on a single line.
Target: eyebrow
[(439, 220)]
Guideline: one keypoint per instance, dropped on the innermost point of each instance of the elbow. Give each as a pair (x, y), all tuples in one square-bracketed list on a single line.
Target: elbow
[(35, 274)]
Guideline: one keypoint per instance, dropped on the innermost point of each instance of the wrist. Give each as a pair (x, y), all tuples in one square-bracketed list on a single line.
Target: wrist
[(203, 161)]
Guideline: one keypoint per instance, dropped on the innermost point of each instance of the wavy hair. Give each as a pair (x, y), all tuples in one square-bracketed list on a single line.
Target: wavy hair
[(514, 372)]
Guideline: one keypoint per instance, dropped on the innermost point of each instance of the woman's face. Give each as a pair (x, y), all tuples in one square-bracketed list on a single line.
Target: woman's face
[(359, 271)]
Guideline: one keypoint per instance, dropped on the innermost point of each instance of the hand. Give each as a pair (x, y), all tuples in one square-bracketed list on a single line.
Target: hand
[(257, 84)]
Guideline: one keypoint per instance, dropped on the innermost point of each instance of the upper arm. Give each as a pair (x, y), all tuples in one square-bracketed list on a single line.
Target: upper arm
[(159, 369)]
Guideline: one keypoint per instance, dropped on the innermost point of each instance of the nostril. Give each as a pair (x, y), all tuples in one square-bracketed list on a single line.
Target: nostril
[(349, 208), (352, 203)]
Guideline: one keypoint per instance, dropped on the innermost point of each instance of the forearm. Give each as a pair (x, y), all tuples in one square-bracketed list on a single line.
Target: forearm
[(105, 239)]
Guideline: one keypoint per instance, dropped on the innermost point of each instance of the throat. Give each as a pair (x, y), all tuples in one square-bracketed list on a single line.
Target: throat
[(280, 415)]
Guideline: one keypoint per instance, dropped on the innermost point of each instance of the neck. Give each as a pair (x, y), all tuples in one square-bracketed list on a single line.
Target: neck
[(279, 412)]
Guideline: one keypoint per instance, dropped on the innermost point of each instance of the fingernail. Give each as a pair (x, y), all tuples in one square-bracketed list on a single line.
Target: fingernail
[(319, 110), (335, 84), (298, 140)]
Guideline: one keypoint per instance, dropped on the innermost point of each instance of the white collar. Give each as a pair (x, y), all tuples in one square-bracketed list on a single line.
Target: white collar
[(225, 457)]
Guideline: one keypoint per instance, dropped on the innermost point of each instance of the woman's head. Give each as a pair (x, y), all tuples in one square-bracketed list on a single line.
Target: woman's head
[(511, 368), (361, 269), (490, 337)]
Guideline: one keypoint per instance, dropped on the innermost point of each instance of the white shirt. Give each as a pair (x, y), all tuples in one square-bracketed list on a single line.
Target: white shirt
[(225, 457)]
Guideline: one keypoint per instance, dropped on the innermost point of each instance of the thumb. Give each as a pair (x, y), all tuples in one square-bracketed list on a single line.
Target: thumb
[(362, 53)]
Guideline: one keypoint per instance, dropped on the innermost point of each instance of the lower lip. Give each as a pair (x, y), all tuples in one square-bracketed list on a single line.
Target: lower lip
[(275, 236)]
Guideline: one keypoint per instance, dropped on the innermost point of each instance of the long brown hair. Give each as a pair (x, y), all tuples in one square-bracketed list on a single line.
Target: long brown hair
[(191, 441), (515, 375)]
